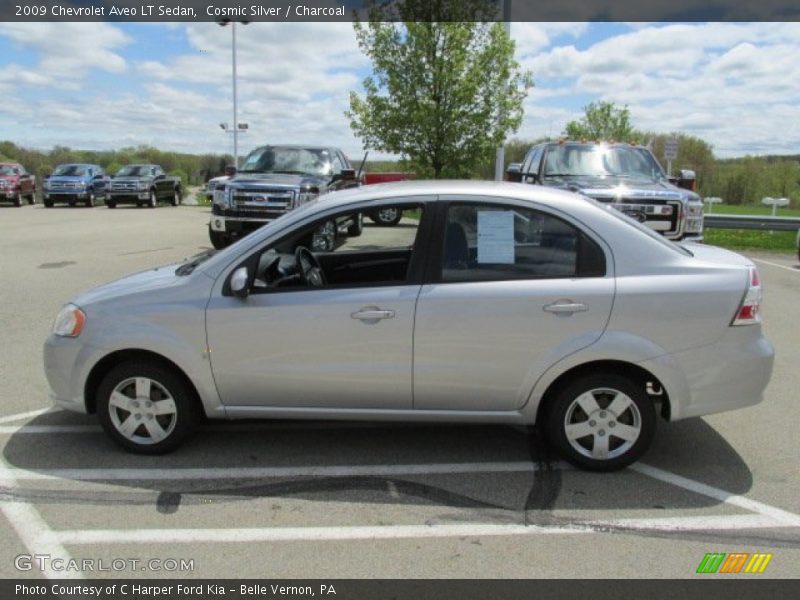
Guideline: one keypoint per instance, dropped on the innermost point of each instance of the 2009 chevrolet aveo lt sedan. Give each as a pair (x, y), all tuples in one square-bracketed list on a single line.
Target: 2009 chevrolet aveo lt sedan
[(489, 302)]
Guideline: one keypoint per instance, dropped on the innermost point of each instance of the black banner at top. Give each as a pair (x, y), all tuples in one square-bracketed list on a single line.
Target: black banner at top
[(399, 10)]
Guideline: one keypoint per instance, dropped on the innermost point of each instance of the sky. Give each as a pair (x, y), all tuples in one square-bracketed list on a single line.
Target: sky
[(109, 85)]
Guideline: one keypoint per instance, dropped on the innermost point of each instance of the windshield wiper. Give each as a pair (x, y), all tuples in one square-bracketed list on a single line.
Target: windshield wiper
[(188, 267)]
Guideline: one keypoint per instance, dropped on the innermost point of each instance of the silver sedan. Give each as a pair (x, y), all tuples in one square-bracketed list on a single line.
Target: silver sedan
[(491, 303)]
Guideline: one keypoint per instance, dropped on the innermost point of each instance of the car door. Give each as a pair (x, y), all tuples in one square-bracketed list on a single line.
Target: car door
[(344, 345), (514, 290)]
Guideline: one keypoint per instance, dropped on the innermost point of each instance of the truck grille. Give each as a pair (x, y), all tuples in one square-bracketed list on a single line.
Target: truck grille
[(257, 199), (123, 186), (662, 215), (63, 185)]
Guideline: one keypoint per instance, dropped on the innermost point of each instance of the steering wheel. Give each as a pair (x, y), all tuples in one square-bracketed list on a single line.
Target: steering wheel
[(308, 267)]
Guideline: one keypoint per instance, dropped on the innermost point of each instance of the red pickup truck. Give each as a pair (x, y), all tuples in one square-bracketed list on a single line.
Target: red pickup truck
[(16, 183)]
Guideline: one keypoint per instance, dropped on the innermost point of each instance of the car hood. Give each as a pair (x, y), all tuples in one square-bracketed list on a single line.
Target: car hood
[(144, 282), (125, 179), (617, 187), (714, 254), (247, 179)]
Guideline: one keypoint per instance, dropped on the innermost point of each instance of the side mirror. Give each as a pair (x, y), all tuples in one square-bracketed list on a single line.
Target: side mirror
[(230, 170), (97, 177), (514, 172), (160, 176), (687, 179), (239, 282)]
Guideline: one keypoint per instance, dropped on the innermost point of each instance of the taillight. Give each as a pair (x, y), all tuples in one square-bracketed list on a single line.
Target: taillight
[(749, 311)]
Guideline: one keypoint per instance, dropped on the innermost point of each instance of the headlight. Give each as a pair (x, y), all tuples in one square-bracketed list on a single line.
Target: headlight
[(304, 197), (69, 322), (3, 183), (141, 185), (694, 210)]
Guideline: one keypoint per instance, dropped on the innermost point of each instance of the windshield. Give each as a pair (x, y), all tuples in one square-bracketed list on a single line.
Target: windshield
[(70, 170), (601, 160), (132, 171), (7, 170), (299, 161)]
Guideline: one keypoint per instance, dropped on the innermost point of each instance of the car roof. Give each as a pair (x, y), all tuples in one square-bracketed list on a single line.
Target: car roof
[(297, 146), (78, 165), (592, 143), (9, 164)]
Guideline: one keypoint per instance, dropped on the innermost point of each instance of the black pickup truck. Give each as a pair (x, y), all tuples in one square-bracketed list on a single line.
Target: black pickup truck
[(143, 185), (276, 179), (626, 176)]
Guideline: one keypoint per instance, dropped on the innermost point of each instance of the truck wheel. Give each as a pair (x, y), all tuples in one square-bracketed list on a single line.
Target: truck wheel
[(601, 422), (111, 203), (71, 203), (218, 238), (32, 198), (90, 200), (387, 217), (48, 203), (18, 200), (357, 227), (177, 197), (146, 408), (152, 202)]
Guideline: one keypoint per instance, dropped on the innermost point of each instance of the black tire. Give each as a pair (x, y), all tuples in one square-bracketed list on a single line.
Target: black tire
[(32, 198), (71, 203), (218, 239), (638, 417), (48, 203), (90, 200), (357, 227), (152, 202), (177, 426), (18, 200), (177, 197), (111, 204), (387, 217)]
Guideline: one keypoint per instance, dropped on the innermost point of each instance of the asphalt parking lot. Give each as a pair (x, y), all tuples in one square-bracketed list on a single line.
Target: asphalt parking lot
[(349, 500)]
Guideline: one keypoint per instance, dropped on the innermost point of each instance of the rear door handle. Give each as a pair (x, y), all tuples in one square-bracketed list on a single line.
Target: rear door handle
[(372, 313), (565, 307)]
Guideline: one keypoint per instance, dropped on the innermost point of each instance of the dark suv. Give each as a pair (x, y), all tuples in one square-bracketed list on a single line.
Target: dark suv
[(626, 176)]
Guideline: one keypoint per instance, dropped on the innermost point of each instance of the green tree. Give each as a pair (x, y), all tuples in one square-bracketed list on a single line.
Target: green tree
[(603, 121), (445, 90)]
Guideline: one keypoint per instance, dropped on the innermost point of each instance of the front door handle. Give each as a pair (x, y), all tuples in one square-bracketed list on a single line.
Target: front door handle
[(372, 313), (565, 307)]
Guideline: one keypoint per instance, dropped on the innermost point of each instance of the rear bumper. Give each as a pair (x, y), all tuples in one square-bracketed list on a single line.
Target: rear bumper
[(732, 373)]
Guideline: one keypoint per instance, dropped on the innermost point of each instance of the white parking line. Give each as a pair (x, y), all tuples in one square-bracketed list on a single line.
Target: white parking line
[(25, 415), (206, 473), (778, 514), (37, 537), (23, 429), (320, 534), (772, 264)]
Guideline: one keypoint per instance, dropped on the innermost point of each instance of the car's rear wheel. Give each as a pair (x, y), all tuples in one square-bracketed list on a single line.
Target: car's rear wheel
[(146, 408), (601, 422), (387, 217)]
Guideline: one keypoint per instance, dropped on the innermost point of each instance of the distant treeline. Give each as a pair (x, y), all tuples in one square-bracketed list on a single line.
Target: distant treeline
[(744, 180), (193, 169)]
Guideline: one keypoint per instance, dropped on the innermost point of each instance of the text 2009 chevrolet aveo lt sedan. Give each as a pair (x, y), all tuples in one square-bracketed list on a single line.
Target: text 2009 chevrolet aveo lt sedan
[(493, 303)]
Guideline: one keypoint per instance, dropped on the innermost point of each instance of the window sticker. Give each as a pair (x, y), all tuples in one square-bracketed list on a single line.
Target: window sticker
[(496, 237)]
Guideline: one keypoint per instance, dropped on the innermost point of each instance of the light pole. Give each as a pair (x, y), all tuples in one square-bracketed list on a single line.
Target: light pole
[(223, 23), (500, 157)]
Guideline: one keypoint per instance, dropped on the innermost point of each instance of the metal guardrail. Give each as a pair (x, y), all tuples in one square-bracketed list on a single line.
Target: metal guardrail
[(762, 222)]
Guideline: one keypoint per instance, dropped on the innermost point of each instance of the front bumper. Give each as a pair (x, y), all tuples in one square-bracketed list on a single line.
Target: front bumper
[(128, 196), (235, 225), (58, 196), (67, 364)]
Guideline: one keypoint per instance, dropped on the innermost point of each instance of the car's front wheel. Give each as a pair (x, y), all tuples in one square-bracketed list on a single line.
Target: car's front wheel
[(601, 422), (219, 239), (146, 407), (177, 197), (152, 202)]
